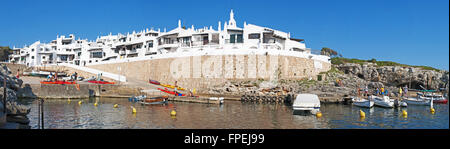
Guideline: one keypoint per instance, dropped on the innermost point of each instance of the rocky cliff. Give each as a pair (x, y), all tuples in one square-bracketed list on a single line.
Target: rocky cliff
[(15, 112), (341, 80)]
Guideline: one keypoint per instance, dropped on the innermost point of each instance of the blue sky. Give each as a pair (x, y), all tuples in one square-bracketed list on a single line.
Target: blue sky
[(405, 31)]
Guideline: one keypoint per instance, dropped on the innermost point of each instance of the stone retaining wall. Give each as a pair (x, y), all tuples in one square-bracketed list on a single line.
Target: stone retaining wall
[(220, 69)]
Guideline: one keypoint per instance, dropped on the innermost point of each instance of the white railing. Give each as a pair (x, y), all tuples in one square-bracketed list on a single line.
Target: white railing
[(113, 76)]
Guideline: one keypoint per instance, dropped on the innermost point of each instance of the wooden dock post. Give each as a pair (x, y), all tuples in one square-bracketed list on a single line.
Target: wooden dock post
[(5, 93), (42, 113)]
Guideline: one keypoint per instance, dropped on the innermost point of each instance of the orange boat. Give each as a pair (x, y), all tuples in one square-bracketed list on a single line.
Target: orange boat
[(58, 82)]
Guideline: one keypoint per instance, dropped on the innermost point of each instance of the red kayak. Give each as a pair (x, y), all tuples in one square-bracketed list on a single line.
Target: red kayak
[(101, 82), (154, 82), (170, 92), (58, 82), (444, 101)]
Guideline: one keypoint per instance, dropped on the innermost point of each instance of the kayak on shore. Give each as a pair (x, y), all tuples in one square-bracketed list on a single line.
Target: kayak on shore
[(171, 92), (172, 87), (154, 82)]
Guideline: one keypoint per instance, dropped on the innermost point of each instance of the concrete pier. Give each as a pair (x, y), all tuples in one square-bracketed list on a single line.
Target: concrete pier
[(204, 100)]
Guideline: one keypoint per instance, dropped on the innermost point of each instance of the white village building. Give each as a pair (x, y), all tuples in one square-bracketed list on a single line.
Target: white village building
[(150, 43)]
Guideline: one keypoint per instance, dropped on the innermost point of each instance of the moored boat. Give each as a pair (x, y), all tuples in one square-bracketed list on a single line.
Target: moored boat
[(399, 103), (137, 98), (155, 100), (101, 82), (306, 103), (419, 101), (58, 82), (217, 98), (362, 102), (384, 102)]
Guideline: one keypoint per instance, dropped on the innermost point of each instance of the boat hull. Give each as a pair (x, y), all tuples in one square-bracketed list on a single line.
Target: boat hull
[(154, 100), (101, 82), (385, 103), (154, 82), (58, 82), (420, 102), (364, 103)]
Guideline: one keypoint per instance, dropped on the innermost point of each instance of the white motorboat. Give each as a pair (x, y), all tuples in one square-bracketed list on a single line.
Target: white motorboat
[(217, 98), (419, 101), (307, 102), (383, 102), (362, 102), (399, 103)]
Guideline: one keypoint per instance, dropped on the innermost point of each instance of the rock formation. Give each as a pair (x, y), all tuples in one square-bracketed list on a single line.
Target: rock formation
[(15, 112)]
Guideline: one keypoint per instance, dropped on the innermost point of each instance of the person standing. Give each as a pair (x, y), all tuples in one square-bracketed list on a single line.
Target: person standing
[(176, 88), (382, 90), (18, 72), (406, 90), (400, 92), (366, 90)]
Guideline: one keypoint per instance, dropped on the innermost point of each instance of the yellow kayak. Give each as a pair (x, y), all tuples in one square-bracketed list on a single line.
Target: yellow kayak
[(171, 86)]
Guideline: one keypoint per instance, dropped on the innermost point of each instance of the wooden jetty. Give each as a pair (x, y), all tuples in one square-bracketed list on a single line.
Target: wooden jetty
[(205, 100)]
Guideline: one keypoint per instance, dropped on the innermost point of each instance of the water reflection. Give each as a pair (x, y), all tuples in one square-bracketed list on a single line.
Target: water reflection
[(62, 114)]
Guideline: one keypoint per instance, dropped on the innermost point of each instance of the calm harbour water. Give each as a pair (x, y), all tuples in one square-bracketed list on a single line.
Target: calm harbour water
[(61, 114)]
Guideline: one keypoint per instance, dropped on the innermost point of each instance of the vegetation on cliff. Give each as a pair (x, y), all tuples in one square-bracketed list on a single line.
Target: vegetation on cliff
[(4, 53), (341, 60)]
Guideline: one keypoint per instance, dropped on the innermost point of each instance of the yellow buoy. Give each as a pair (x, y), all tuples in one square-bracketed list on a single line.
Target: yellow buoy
[(432, 110), (173, 113), (362, 114), (319, 114), (79, 102), (95, 104), (116, 105), (404, 113), (134, 110)]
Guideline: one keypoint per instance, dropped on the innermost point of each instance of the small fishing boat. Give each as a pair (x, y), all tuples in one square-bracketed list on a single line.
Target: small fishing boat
[(155, 100), (137, 98), (399, 103), (217, 98), (419, 101), (154, 82), (362, 102), (309, 103), (58, 82), (384, 102), (436, 98), (429, 94), (101, 82)]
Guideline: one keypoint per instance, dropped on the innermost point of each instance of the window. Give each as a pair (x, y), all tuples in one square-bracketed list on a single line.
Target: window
[(150, 44), (32, 57), (96, 54), (32, 50), (254, 36), (63, 57), (236, 38), (43, 57), (239, 38)]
